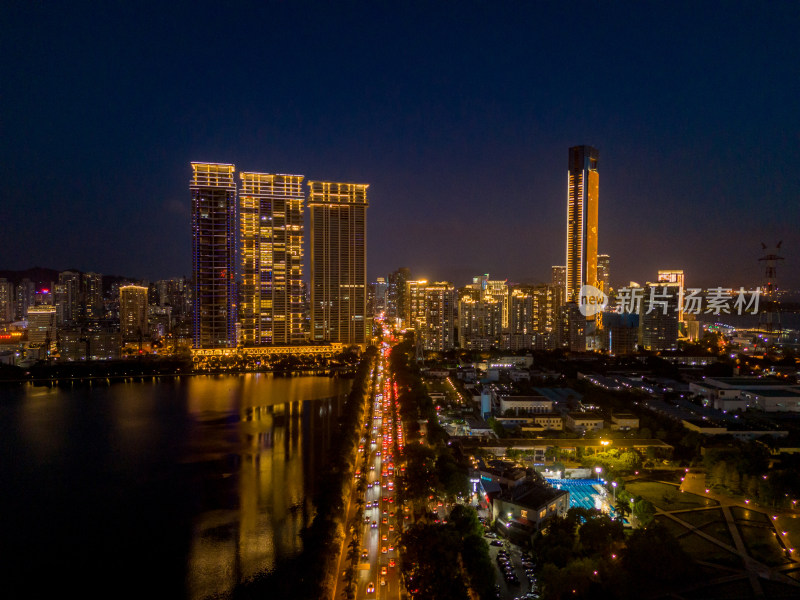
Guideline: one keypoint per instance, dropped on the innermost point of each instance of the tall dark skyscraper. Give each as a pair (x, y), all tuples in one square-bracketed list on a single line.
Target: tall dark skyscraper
[(214, 254), (583, 181), (338, 228)]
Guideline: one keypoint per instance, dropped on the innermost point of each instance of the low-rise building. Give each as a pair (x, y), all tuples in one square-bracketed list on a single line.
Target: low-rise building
[(584, 421), (624, 422), (525, 404), (522, 509)]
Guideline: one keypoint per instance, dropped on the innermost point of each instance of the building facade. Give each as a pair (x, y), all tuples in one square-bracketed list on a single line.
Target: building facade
[(133, 314), (338, 228), (271, 241), (583, 182), (214, 251)]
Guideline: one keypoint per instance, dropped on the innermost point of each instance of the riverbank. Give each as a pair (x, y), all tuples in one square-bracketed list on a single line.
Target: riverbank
[(141, 370)]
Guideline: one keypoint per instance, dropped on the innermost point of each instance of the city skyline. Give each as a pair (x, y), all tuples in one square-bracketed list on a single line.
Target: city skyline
[(462, 142)]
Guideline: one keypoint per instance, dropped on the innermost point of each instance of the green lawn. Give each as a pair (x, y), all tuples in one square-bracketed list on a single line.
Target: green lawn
[(749, 515), (700, 548), (698, 518), (762, 544), (666, 496)]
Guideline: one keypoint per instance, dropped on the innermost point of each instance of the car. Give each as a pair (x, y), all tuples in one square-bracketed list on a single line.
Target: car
[(366, 519), (383, 550), (391, 562), (391, 527), (384, 520), (374, 524), (371, 588), (496, 543), (384, 537), (364, 553), (383, 570)]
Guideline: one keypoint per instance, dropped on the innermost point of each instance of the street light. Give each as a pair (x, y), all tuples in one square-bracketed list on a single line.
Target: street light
[(614, 486), (598, 470)]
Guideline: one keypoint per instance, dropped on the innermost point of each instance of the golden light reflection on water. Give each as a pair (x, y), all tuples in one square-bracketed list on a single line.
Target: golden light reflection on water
[(272, 437)]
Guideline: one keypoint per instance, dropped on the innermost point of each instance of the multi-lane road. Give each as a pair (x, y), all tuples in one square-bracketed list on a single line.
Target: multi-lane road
[(377, 576)]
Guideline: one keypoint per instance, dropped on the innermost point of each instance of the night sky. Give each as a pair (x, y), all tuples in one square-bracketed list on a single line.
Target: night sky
[(458, 114)]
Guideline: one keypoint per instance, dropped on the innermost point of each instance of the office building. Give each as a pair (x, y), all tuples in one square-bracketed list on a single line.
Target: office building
[(338, 222), (271, 228), (674, 276), (213, 191), (583, 181), (133, 324)]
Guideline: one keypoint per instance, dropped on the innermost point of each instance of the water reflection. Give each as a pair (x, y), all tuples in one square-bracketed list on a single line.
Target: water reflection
[(187, 487)]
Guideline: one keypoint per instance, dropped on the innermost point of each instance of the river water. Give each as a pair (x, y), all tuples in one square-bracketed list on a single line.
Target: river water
[(180, 488)]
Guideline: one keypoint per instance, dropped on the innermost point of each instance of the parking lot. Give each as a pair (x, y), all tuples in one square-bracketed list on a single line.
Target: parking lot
[(513, 556)]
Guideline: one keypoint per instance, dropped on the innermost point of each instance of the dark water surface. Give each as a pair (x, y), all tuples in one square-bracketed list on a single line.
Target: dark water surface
[(173, 489)]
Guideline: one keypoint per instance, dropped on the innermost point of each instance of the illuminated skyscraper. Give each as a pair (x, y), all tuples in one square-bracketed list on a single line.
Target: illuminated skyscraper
[(674, 276), (271, 221), (133, 313), (604, 272), (432, 313), (339, 262), (582, 206), (214, 254)]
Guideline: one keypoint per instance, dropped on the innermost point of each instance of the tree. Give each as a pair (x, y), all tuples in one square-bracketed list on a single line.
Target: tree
[(653, 557), (644, 511)]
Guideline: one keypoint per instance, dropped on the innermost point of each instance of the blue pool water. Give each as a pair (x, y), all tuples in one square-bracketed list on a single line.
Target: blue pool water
[(586, 493)]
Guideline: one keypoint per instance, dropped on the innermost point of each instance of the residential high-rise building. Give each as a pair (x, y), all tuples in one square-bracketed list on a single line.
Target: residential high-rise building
[(559, 276), (338, 223), (93, 295), (583, 181), (480, 322), (213, 191), (25, 297), (68, 297), (271, 228), (133, 313), (41, 329), (432, 311), (658, 320), (7, 308), (396, 293)]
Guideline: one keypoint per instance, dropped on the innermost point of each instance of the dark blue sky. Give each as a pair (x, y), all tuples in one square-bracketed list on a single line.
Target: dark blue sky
[(458, 114)]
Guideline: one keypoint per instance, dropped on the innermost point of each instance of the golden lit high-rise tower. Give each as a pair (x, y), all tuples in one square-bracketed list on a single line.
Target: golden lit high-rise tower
[(583, 182), (271, 242), (214, 255), (339, 262), (133, 313)]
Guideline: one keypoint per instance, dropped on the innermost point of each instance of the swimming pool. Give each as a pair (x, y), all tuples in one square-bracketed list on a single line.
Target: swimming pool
[(586, 493)]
